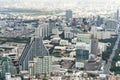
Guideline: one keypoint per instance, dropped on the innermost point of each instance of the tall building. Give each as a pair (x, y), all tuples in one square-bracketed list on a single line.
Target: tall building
[(99, 21), (43, 30), (52, 24), (84, 21), (6, 66), (68, 15), (117, 14), (34, 48), (40, 65), (94, 44), (67, 33), (118, 29), (82, 48), (74, 22)]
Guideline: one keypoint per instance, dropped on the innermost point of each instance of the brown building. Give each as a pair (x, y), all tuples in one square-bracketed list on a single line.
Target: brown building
[(114, 78)]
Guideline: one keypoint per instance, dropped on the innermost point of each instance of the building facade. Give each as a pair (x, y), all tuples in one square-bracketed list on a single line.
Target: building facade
[(68, 15), (94, 45), (40, 65), (6, 66), (31, 50)]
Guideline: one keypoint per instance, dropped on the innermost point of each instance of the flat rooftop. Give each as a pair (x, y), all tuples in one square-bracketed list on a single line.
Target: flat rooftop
[(92, 66)]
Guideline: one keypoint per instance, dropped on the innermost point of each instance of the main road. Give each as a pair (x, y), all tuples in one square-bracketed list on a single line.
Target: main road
[(108, 65)]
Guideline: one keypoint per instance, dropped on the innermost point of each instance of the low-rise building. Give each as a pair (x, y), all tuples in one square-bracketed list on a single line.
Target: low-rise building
[(64, 42), (60, 49), (8, 77), (79, 64), (118, 64)]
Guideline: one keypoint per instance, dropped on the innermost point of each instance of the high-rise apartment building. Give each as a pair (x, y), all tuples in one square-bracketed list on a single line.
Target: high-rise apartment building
[(52, 24), (99, 21), (117, 14), (43, 30), (40, 65), (68, 15)]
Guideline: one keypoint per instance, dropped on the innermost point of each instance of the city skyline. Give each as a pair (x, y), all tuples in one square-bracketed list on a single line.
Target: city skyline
[(59, 39), (38, 4)]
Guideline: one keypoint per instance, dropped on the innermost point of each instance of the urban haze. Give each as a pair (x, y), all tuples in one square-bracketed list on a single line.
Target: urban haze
[(59, 39)]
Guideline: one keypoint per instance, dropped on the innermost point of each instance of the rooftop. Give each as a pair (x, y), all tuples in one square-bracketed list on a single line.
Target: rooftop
[(83, 39), (92, 66)]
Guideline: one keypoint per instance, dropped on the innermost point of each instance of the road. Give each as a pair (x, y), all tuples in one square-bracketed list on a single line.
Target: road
[(108, 65)]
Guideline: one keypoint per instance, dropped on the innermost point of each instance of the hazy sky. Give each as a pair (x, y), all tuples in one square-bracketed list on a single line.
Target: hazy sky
[(56, 3)]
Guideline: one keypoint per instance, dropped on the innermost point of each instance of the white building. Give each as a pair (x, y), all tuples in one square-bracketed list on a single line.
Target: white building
[(102, 46), (118, 64), (74, 40), (8, 77), (60, 48), (68, 33), (56, 78), (55, 31), (79, 65), (64, 42), (43, 30), (82, 45)]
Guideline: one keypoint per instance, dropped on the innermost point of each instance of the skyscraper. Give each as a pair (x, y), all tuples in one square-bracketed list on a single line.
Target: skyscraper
[(99, 21), (43, 30), (94, 45), (82, 48), (31, 50), (117, 15), (52, 24), (68, 15)]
